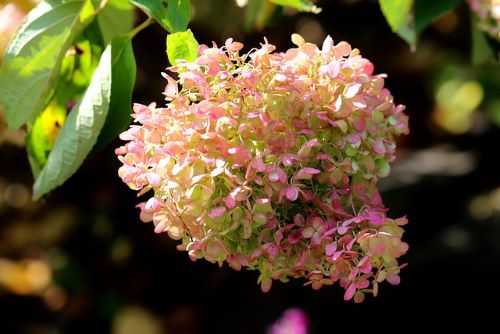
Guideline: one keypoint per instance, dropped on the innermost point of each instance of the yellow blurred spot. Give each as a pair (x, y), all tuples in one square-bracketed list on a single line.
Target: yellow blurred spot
[(480, 208), (38, 274), (311, 30), (485, 205), (121, 250), (456, 101), (132, 320), (495, 199), (24, 276)]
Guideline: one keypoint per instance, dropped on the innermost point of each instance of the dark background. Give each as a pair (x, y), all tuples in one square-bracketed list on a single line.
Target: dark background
[(103, 267)]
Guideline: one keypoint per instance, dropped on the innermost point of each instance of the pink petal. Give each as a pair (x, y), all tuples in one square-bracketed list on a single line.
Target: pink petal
[(334, 69), (359, 124), (330, 232), (350, 244), (273, 250), (278, 236), (145, 216), (280, 77), (306, 172), (259, 164), (394, 279), (217, 171), (153, 179), (342, 230), (343, 49), (293, 239), (330, 248), (338, 103), (375, 219), (350, 291), (153, 204), (160, 227), (174, 148), (282, 175), (217, 211), (266, 284), (311, 143), (327, 44), (273, 176), (171, 90), (378, 146), (337, 255), (363, 284), (299, 220), (229, 202), (292, 193), (289, 160), (351, 90), (354, 140)]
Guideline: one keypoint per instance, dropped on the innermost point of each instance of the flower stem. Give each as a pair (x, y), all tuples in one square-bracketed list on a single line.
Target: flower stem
[(141, 27)]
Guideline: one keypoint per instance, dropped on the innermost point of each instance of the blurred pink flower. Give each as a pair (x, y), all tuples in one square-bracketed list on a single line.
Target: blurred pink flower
[(293, 321), (11, 17), (270, 161)]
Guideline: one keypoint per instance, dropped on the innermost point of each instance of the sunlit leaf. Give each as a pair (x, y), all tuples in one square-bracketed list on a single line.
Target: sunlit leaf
[(77, 68), (181, 45), (33, 58), (173, 15), (80, 131), (399, 15), (302, 5), (117, 18)]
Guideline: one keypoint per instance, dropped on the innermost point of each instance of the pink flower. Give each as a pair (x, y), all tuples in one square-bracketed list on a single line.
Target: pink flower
[(11, 17), (293, 321), (263, 163)]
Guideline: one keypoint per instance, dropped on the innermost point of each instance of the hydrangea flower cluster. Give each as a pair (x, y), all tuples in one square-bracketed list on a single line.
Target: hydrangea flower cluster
[(488, 12), (270, 160)]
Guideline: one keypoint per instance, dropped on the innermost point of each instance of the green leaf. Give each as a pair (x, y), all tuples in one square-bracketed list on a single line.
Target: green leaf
[(117, 18), (181, 45), (485, 49), (123, 70), (399, 15), (427, 11), (77, 68), (173, 15), (33, 58), (79, 133), (481, 50), (302, 5), (253, 8)]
